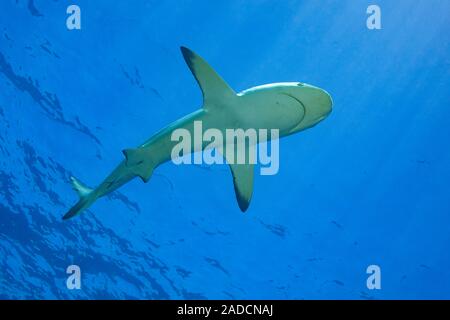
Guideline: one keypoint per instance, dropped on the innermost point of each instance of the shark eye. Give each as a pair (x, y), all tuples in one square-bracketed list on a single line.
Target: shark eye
[(300, 84)]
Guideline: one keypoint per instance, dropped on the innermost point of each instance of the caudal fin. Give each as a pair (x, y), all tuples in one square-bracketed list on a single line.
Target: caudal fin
[(84, 193)]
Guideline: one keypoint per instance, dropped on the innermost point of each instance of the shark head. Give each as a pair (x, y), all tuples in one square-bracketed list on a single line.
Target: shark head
[(300, 105), (316, 103)]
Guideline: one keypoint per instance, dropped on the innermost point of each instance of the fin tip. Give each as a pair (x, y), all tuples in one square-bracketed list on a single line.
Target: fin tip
[(243, 205), (188, 56)]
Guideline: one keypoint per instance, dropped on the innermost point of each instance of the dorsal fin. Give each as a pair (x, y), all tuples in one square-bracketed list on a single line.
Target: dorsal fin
[(213, 87)]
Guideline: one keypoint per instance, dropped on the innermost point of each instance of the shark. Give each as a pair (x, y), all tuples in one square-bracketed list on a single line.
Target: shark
[(289, 107)]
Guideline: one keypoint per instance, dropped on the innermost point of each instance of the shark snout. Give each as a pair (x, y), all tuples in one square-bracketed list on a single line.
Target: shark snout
[(326, 103), (317, 105), (323, 105)]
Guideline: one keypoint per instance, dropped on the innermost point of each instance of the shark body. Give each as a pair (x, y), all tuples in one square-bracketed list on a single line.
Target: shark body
[(289, 107)]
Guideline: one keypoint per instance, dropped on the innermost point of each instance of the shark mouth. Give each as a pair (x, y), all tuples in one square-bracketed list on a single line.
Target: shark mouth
[(304, 111)]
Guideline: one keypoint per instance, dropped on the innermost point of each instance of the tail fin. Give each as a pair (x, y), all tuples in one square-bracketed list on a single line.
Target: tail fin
[(83, 192), (79, 187)]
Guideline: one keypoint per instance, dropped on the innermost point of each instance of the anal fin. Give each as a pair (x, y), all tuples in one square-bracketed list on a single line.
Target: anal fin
[(134, 156), (138, 159)]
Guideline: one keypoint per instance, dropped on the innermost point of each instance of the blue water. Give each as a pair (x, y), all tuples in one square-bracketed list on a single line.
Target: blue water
[(369, 185)]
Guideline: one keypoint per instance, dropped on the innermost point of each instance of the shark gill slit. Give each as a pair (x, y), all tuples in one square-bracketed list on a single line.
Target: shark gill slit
[(303, 106)]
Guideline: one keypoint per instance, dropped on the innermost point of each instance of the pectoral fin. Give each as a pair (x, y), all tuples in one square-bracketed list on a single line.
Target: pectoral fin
[(243, 183), (242, 179), (214, 88)]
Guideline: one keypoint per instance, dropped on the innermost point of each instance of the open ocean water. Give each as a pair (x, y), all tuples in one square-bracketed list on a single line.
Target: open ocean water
[(367, 186)]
